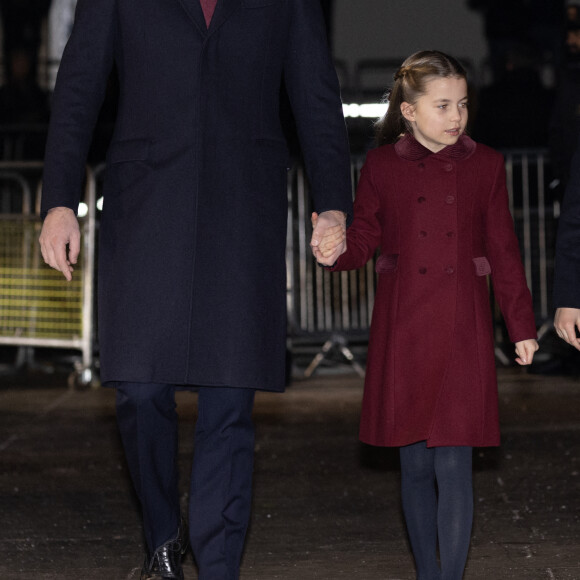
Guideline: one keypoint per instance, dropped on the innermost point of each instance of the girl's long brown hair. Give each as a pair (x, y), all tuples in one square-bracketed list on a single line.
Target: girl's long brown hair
[(410, 84)]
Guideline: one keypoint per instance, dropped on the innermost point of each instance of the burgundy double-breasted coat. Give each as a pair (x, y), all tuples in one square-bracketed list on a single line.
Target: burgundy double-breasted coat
[(442, 223)]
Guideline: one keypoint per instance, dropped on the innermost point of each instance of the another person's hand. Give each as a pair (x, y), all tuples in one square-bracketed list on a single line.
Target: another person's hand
[(566, 321), (328, 236), (525, 350), (61, 229)]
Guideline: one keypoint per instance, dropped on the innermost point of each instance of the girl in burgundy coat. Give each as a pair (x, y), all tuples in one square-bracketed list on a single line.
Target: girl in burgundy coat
[(436, 204)]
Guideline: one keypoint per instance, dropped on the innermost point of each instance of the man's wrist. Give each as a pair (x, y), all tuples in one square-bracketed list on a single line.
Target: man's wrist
[(340, 215), (59, 207)]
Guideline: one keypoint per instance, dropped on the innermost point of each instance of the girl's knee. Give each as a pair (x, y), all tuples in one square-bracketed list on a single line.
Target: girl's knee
[(453, 464), (417, 463)]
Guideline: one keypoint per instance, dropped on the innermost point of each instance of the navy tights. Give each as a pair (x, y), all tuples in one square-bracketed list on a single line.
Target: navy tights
[(437, 497)]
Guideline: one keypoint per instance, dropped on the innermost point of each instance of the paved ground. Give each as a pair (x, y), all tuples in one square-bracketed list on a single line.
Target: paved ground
[(326, 507)]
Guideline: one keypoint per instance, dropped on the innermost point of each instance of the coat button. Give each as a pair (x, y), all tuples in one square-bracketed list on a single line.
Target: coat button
[(449, 270), (448, 167), (422, 234), (422, 270), (421, 166), (421, 199), (450, 234), (450, 199)]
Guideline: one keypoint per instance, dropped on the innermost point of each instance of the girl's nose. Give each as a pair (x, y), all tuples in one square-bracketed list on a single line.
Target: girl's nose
[(456, 114)]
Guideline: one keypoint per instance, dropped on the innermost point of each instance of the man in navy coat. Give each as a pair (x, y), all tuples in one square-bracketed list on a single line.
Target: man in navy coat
[(192, 237), (566, 298)]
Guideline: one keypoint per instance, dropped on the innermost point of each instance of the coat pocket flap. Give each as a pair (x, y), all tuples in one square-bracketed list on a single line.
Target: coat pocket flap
[(482, 267), (386, 263), (129, 150)]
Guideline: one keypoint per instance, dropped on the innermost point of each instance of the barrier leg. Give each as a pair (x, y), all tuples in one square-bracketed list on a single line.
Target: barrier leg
[(338, 342)]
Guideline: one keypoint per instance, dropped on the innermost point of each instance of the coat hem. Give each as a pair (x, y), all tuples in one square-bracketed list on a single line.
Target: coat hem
[(467, 442), (193, 385)]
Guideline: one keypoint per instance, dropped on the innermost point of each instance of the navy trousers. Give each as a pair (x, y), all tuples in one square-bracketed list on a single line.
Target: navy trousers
[(221, 478)]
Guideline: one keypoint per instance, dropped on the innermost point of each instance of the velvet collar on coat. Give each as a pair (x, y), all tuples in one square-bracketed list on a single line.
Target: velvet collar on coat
[(409, 148)]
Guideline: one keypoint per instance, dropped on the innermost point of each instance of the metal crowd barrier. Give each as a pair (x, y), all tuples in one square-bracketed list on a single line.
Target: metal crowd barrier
[(323, 307), (536, 213), (328, 313), (334, 309), (37, 307)]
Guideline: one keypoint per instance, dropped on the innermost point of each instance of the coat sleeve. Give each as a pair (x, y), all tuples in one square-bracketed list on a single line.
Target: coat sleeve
[(507, 272), (314, 95), (364, 234), (567, 265), (78, 95)]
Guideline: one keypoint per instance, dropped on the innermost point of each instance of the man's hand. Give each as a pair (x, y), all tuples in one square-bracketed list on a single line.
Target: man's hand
[(566, 321), (61, 229), (525, 350), (328, 237)]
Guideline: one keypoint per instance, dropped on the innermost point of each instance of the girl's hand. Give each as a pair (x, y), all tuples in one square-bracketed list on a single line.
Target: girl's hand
[(332, 241), (525, 350)]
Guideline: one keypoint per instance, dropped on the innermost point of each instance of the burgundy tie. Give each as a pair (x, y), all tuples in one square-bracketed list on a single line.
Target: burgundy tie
[(208, 7)]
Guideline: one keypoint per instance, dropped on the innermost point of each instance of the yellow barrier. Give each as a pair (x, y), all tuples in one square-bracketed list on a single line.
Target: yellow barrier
[(38, 307), (35, 302)]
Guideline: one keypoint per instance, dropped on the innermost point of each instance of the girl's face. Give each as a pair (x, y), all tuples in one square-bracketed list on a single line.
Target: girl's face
[(439, 116)]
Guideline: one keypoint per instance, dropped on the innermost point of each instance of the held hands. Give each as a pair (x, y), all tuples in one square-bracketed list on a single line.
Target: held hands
[(566, 321), (328, 237), (525, 350), (60, 229)]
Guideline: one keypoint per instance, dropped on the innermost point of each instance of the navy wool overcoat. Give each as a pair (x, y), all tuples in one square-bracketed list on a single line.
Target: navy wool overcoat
[(193, 230)]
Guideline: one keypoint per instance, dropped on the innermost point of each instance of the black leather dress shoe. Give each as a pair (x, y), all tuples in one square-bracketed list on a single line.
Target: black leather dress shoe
[(165, 562)]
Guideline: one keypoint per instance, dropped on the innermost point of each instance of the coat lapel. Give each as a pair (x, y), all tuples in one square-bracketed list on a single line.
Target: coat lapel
[(195, 13), (223, 10)]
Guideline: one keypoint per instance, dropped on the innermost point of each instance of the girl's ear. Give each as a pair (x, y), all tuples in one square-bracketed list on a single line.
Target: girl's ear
[(408, 111)]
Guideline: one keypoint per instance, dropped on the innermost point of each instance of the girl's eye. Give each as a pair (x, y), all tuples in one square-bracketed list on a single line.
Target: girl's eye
[(442, 106)]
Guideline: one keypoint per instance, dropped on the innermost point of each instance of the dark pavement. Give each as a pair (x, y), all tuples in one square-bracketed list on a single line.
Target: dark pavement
[(326, 507)]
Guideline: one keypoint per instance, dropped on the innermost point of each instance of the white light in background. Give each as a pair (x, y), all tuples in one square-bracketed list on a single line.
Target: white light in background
[(84, 208), (365, 110)]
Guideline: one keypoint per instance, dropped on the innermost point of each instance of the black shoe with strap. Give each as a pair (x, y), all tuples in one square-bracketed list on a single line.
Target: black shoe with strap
[(165, 562)]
